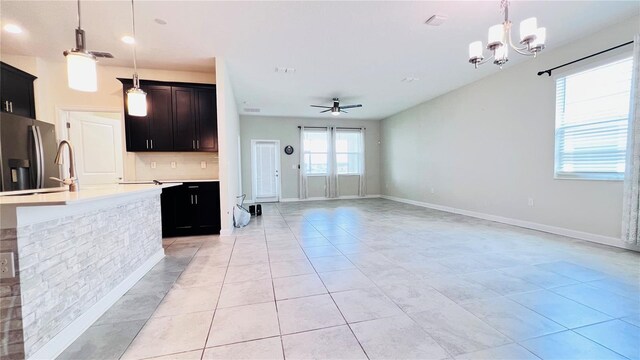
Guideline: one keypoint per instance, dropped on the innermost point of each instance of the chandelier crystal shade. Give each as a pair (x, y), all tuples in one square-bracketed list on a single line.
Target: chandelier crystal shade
[(532, 40), (81, 64), (136, 97)]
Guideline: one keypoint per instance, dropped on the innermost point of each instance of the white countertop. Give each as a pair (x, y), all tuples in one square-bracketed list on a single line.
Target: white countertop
[(168, 181), (86, 194)]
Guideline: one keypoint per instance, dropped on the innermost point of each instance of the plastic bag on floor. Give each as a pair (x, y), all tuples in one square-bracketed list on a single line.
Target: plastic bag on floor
[(241, 216)]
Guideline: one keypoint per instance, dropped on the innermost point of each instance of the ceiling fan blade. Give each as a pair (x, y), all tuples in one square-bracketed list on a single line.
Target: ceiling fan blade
[(343, 111), (324, 111), (321, 106), (101, 54), (350, 106)]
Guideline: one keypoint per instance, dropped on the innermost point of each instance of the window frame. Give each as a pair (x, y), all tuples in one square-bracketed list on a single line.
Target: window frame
[(588, 176), (305, 152), (357, 153)]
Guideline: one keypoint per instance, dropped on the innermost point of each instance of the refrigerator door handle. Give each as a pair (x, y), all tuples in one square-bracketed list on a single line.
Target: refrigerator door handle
[(35, 161), (41, 158)]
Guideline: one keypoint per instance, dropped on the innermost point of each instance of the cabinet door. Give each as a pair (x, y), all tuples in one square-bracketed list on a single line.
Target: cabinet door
[(206, 114), (136, 127), (168, 204), (209, 208), (185, 214), (17, 92), (184, 119), (160, 118)]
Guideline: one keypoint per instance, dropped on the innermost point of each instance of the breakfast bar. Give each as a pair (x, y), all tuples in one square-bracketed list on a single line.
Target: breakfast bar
[(67, 257)]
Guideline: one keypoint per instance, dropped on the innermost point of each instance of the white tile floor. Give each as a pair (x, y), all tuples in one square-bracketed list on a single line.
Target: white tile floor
[(380, 280)]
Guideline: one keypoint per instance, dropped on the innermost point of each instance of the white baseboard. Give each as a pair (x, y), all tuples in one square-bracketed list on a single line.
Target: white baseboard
[(324, 198), (226, 232), (68, 335), (600, 239)]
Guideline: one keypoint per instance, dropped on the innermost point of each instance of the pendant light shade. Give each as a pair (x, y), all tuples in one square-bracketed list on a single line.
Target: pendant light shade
[(136, 102), (81, 65), (136, 97), (81, 71)]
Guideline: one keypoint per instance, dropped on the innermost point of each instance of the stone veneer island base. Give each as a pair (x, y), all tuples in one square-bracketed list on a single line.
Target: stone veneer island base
[(75, 254)]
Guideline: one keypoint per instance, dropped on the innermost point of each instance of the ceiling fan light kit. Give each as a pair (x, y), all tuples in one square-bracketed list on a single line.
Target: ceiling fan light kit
[(136, 97), (532, 40)]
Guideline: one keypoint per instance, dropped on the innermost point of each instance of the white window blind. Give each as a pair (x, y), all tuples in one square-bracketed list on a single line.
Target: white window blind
[(348, 150), (316, 146), (592, 109)]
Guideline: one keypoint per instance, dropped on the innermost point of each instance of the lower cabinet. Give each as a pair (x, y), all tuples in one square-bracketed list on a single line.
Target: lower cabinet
[(191, 209)]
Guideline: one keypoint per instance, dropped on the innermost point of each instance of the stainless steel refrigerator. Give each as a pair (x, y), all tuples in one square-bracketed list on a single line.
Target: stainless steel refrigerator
[(28, 149)]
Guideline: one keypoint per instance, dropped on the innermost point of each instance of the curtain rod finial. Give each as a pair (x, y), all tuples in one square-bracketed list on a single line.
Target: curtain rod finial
[(544, 72)]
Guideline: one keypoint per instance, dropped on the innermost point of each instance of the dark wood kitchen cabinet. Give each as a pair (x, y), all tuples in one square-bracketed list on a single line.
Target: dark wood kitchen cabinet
[(191, 209), (16, 89), (180, 117), (154, 131)]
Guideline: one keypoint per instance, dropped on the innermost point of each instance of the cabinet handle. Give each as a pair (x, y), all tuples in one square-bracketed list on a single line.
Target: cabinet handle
[(6, 106), (196, 199), (147, 141), (152, 143), (191, 199), (197, 144), (11, 105), (193, 144)]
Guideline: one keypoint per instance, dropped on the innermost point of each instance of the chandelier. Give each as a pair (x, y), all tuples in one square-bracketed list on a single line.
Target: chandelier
[(532, 39)]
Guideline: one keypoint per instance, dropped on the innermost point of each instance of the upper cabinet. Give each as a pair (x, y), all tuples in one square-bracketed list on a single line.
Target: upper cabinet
[(180, 117), (16, 91)]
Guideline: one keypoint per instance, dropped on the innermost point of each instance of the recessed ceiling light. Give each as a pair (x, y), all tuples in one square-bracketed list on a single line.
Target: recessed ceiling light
[(128, 40), (160, 21), (436, 20), (13, 28)]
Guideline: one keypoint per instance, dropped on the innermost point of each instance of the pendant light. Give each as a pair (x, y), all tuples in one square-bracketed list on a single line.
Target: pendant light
[(136, 97), (81, 64)]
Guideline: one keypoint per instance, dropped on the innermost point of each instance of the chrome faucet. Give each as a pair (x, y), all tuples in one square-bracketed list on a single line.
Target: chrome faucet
[(72, 181)]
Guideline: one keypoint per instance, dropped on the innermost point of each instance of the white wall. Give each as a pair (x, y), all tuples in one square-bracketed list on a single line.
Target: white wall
[(286, 130), (228, 146), (53, 94), (489, 146)]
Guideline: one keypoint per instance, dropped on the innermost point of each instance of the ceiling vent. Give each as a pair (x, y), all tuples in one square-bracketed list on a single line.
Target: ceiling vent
[(409, 79), (252, 110), (436, 20), (285, 70)]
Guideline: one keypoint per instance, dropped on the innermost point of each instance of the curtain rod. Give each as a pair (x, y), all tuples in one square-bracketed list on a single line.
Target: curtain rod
[(584, 58), (324, 127)]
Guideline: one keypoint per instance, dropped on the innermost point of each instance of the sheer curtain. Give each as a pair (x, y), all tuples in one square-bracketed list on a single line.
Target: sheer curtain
[(332, 176), (303, 187), (631, 201), (362, 187)]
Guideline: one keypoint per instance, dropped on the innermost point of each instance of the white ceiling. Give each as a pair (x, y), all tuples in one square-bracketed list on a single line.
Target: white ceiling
[(358, 51)]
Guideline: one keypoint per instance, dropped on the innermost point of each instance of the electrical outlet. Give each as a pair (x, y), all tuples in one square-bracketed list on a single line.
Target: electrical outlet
[(7, 268), (433, 191), (203, 164), (530, 201), (173, 164), (153, 164)]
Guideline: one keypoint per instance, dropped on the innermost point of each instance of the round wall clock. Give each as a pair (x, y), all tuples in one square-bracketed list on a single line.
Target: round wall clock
[(288, 149)]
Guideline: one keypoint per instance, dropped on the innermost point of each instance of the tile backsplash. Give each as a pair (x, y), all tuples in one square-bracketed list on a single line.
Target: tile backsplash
[(188, 166)]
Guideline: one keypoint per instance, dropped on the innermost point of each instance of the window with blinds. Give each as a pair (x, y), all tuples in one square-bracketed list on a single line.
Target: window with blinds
[(592, 110)]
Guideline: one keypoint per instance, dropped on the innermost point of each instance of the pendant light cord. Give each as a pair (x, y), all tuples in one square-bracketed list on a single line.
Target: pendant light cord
[(136, 82), (79, 18)]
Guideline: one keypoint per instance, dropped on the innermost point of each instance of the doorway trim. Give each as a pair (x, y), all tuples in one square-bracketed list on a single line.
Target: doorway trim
[(254, 185)]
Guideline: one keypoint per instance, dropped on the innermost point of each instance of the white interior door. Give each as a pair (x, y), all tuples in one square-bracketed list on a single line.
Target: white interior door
[(266, 170), (97, 141)]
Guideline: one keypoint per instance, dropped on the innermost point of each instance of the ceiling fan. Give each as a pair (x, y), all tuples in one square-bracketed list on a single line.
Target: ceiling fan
[(336, 109)]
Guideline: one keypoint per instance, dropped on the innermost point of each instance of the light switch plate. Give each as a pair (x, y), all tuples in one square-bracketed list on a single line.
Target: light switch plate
[(203, 164), (173, 164), (7, 267), (153, 164)]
